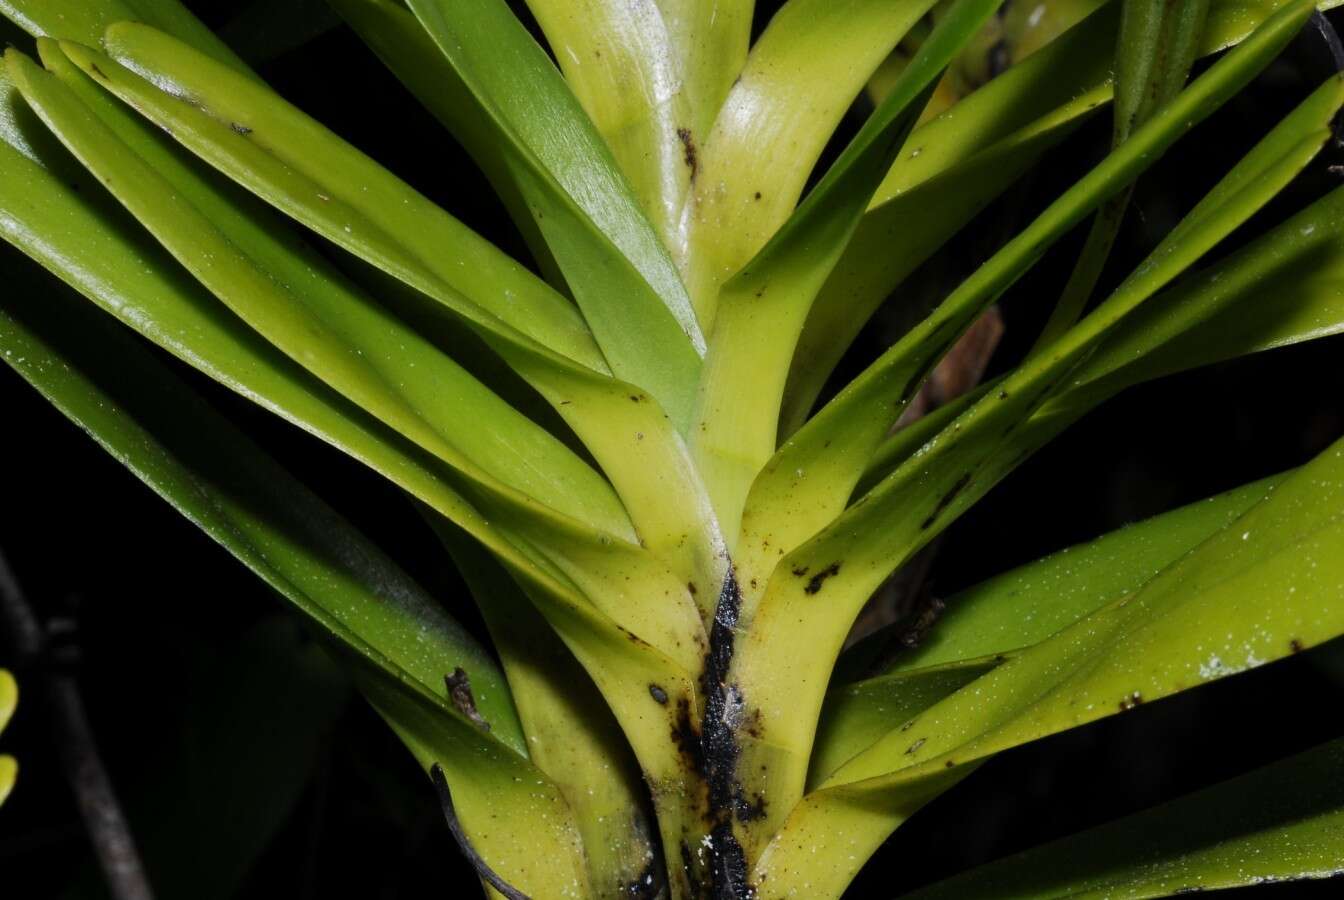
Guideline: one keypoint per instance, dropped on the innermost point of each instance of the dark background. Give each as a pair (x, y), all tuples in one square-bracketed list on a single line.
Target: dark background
[(168, 621)]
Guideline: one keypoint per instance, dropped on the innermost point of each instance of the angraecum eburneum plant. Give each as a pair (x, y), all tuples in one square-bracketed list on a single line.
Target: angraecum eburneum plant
[(632, 445)]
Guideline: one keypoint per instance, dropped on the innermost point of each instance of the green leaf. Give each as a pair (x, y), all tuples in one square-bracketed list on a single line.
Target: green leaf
[(626, 583), (1203, 618), (613, 260), (398, 643), (227, 486), (1217, 314), (394, 34), (268, 146), (749, 170), (1030, 603), (1284, 822), (628, 572), (1158, 45), (852, 556), (646, 75), (85, 21), (956, 163), (350, 200), (763, 307), (812, 475), (299, 303), (896, 236), (84, 237), (1001, 616), (571, 734), (857, 715)]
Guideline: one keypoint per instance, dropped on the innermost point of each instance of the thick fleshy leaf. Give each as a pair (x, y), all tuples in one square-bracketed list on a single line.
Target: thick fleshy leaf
[(85, 21), (875, 679), (812, 475), (956, 163), (257, 139), (651, 77), (301, 305), (353, 202), (1219, 314), (630, 572), (613, 260), (857, 715), (1284, 822), (851, 557), (242, 498), (398, 643), (749, 170), (85, 238), (763, 307), (146, 288), (1030, 603), (1201, 619), (570, 733)]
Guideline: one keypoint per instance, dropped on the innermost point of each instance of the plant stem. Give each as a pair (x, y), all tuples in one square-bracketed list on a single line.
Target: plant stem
[(75, 745)]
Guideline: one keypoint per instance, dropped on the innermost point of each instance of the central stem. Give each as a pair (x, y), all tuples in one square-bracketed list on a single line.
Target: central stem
[(719, 751)]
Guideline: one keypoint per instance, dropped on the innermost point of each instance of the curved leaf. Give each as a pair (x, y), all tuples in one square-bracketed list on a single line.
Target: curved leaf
[(983, 624), (855, 716), (1203, 618), (808, 481), (257, 139), (85, 21), (86, 239), (1284, 822), (397, 641), (749, 170), (301, 305), (1032, 602), (631, 67), (762, 308), (852, 556), (633, 298), (350, 200), (961, 160), (153, 295), (570, 733)]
